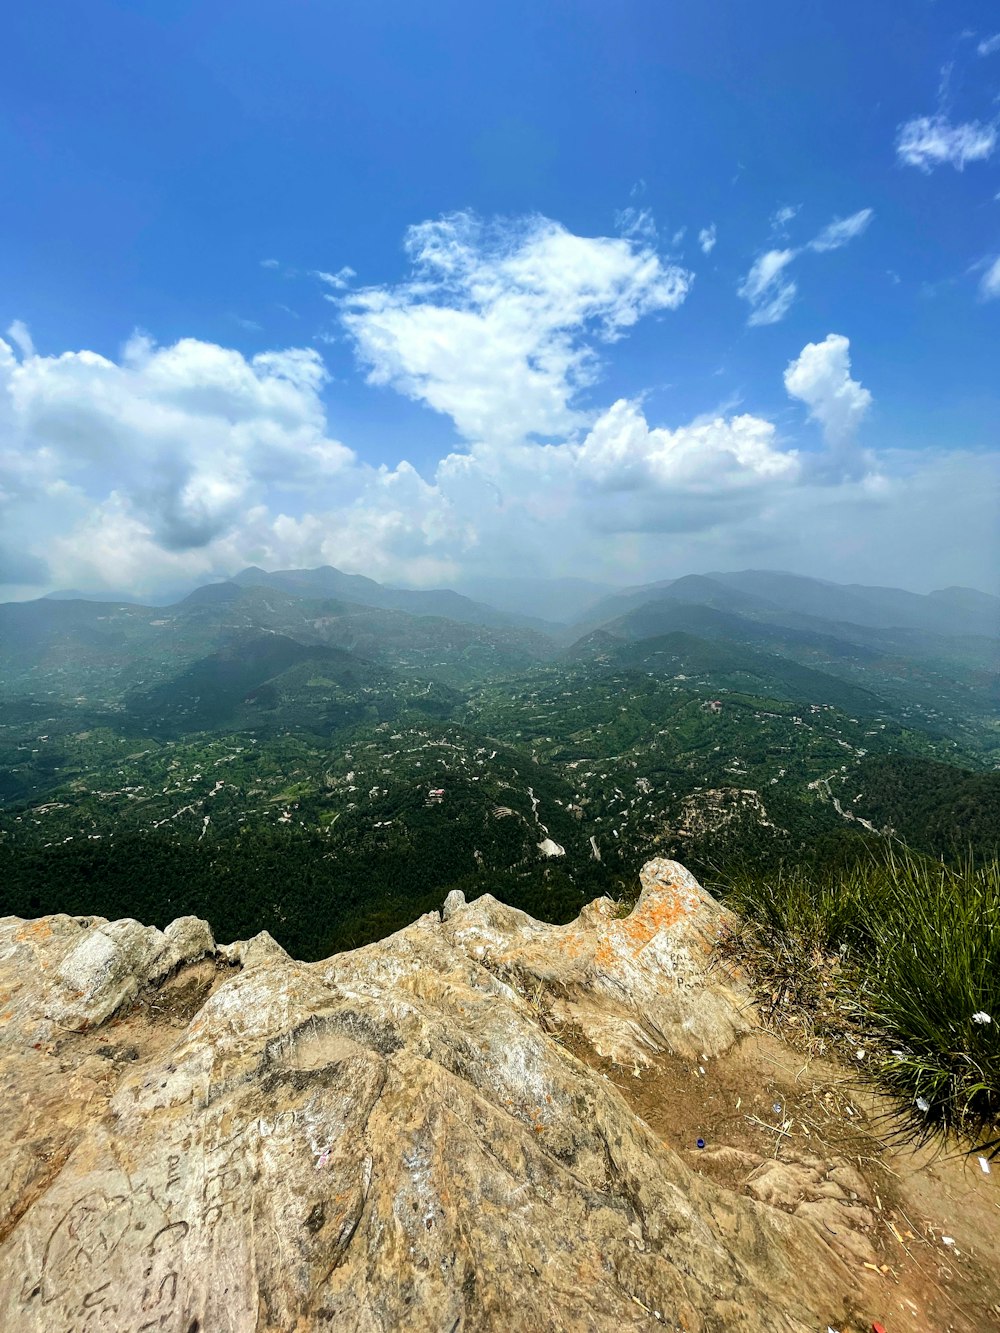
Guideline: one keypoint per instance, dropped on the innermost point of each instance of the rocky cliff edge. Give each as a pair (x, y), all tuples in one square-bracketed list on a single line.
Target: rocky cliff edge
[(200, 1138)]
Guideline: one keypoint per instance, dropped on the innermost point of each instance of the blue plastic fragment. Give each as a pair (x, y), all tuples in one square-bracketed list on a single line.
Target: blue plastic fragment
[(701, 1143)]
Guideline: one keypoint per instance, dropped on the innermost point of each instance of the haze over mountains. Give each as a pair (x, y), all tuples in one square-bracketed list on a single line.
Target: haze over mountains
[(764, 593), (393, 743), (938, 652)]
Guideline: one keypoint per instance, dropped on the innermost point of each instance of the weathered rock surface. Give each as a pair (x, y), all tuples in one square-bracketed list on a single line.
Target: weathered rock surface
[(200, 1139), (633, 984)]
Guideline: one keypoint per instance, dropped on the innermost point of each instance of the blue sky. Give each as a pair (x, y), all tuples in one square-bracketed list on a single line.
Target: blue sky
[(177, 175)]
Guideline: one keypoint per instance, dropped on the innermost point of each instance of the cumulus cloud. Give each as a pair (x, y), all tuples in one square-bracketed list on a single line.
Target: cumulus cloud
[(989, 44), (932, 141), (497, 323), (185, 436), (768, 288), (622, 452), (707, 238), (180, 462), (170, 465), (989, 283), (820, 377)]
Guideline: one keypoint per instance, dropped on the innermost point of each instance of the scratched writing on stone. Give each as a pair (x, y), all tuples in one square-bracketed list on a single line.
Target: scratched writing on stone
[(83, 1239)]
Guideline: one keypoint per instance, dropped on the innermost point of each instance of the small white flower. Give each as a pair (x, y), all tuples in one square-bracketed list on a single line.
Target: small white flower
[(981, 1018), (923, 1104)]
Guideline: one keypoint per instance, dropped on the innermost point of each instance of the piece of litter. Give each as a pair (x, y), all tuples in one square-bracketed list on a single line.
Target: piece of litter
[(701, 1069), (984, 1164), (899, 1054), (923, 1105), (859, 1054), (323, 1159), (878, 1328), (947, 1240), (776, 1108), (980, 1017), (701, 1143)]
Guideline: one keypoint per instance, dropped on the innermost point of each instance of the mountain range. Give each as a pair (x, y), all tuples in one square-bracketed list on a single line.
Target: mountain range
[(320, 755)]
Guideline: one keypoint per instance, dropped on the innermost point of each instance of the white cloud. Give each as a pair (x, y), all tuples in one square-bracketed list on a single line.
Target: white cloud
[(270, 263), (339, 280), (989, 44), (496, 325), (931, 141), (177, 463), (637, 223), (767, 287), (183, 436), (841, 230), (171, 465), (707, 238), (20, 336), (769, 292), (622, 452), (781, 218), (820, 377), (989, 283)]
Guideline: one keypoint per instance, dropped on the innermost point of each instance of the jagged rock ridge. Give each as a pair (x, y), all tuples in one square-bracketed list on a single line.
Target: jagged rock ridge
[(388, 1139)]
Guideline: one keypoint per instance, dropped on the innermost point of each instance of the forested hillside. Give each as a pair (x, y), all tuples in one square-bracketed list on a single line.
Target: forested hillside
[(327, 769)]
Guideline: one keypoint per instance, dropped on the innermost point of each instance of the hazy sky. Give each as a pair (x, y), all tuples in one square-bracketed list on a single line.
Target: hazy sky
[(621, 290)]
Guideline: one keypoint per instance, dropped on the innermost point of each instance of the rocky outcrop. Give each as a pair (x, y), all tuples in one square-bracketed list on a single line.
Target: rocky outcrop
[(199, 1139)]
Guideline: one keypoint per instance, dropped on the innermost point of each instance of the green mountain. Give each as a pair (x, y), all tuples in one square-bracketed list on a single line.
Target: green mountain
[(947, 683), (97, 650), (725, 666), (328, 582), (271, 756), (950, 612), (805, 603)]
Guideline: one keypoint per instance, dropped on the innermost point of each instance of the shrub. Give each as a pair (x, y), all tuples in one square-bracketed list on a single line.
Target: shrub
[(912, 948)]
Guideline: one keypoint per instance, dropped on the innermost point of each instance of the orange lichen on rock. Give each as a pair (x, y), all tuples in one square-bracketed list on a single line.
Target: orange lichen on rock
[(34, 930)]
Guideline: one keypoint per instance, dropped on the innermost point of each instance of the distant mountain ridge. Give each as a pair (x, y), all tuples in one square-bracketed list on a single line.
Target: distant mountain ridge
[(937, 653), (326, 581), (795, 600), (548, 605)]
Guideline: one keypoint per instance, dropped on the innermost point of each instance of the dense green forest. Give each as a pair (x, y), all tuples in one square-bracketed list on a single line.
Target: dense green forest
[(271, 759)]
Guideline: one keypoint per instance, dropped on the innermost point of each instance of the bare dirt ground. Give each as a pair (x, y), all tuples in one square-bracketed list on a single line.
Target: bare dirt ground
[(804, 1134)]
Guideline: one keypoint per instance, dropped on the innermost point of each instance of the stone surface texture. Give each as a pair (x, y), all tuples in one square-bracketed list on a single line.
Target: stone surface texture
[(203, 1139)]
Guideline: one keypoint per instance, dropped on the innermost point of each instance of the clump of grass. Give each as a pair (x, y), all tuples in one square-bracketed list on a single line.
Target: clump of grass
[(898, 950), (936, 992)]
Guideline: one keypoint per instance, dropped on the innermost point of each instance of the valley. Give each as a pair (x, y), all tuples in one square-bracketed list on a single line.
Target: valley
[(326, 769)]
